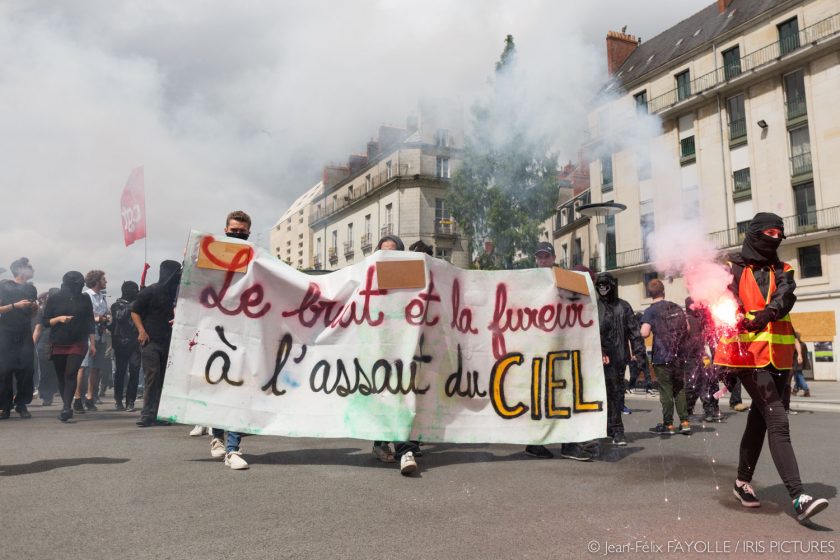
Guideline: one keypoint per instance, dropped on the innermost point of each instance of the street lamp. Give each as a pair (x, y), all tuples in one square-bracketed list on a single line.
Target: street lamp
[(600, 211)]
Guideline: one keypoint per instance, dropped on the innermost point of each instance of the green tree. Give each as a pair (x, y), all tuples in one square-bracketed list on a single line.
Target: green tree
[(507, 184)]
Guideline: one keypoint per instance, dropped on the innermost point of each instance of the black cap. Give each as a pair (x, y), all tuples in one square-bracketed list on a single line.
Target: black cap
[(544, 247)]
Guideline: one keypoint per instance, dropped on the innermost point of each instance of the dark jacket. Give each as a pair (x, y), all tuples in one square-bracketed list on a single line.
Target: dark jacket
[(155, 304), (619, 327), (70, 301)]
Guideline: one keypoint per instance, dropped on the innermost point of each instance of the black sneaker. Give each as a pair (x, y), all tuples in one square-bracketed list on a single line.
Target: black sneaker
[(575, 451), (664, 429), (144, 423), (90, 405), (5, 414), (129, 407), (620, 440), (23, 411), (78, 406), (807, 507), (538, 451), (746, 495), (65, 415), (118, 406)]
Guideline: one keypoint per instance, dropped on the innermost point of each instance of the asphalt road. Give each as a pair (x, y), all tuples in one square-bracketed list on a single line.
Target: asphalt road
[(103, 488)]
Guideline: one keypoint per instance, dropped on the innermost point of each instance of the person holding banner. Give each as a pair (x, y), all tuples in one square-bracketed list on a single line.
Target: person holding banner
[(153, 312), (544, 256)]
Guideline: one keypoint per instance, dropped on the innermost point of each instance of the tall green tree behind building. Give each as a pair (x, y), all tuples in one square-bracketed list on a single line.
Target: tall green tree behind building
[(507, 184)]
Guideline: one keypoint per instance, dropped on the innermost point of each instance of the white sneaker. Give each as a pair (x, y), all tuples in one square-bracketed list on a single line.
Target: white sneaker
[(235, 461), (217, 448), (383, 453), (407, 464), (198, 431)]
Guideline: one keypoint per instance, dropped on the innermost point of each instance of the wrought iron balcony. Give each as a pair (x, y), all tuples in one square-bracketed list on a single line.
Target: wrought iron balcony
[(800, 164)]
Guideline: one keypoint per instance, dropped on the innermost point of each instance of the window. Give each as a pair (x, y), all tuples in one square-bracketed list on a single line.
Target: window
[(442, 168), (444, 253), (349, 236), (442, 138), (389, 172), (788, 36), (443, 221), (795, 94), (687, 149), (800, 151), (683, 85), (737, 117), (647, 224), (564, 255), (577, 252), (318, 245), (335, 202), (610, 246), (334, 239), (367, 183), (606, 171), (806, 206), (641, 102), (389, 212), (741, 181), (810, 262), (742, 230), (367, 224), (731, 63)]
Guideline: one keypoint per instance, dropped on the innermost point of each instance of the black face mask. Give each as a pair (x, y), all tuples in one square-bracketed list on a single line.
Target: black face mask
[(238, 235)]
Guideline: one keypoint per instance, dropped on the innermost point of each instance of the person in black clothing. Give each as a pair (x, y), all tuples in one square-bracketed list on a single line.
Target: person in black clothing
[(126, 347), (760, 353), (152, 313), (640, 367), (700, 381), (619, 334), (69, 316), (18, 303), (47, 383)]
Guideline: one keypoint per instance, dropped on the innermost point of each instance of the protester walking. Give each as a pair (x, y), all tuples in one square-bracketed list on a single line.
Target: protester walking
[(126, 348), (69, 317), (760, 354), (18, 304), (47, 382)]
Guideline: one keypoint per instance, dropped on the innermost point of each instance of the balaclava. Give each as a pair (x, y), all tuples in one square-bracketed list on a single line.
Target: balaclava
[(607, 287), (130, 290), (758, 248)]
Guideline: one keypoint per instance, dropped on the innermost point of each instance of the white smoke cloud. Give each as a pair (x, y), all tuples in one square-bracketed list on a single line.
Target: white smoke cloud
[(237, 106)]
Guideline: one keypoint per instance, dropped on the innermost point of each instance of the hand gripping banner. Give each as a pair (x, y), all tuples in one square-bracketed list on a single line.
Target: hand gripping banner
[(399, 346)]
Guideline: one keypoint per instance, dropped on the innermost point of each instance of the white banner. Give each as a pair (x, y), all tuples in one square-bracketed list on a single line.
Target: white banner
[(463, 356)]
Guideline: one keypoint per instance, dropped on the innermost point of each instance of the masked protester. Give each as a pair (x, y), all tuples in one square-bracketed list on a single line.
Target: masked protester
[(126, 348), (152, 313), (69, 316), (47, 384), (760, 354), (700, 380), (18, 304), (619, 334)]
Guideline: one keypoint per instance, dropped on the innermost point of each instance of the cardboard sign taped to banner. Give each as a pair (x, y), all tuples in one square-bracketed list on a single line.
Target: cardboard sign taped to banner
[(395, 275), (572, 281), (220, 255)]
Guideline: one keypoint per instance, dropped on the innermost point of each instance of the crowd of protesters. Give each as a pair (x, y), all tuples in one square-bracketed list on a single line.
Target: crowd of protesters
[(77, 346)]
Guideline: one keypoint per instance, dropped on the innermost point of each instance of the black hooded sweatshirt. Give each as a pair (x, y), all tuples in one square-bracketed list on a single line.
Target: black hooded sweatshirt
[(122, 328), (619, 326), (156, 303), (759, 253), (70, 301)]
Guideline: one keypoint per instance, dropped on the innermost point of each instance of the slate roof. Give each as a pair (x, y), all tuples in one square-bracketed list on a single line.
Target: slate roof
[(695, 31)]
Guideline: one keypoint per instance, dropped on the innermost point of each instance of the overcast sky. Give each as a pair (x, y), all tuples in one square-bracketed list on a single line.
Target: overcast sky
[(237, 105)]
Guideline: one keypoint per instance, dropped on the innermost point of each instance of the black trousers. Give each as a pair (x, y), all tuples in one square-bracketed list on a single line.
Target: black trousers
[(47, 385), (154, 356), (767, 415), (614, 380), (17, 365), (66, 370), (127, 358), (700, 382), (636, 370)]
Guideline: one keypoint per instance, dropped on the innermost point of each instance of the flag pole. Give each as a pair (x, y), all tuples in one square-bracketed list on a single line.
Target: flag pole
[(145, 240)]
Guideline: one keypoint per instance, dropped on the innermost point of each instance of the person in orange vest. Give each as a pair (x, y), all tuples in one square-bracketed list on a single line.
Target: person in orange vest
[(760, 354)]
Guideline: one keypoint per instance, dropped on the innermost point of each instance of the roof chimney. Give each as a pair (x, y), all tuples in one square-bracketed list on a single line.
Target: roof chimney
[(619, 47), (722, 5)]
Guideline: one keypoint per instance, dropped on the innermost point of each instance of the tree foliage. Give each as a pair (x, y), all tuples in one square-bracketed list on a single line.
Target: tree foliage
[(507, 184)]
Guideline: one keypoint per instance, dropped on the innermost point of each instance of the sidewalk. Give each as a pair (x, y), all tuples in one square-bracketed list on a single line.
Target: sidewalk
[(825, 397)]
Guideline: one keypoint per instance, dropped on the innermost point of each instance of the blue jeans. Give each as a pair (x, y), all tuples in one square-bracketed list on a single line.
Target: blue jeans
[(233, 439), (799, 381)]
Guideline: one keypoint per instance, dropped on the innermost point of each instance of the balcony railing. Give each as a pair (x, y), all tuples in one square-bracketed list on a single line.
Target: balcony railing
[(445, 226), (365, 242), (386, 230), (316, 263), (332, 255), (737, 129), (800, 164), (770, 53), (348, 249), (796, 107), (687, 150), (363, 191)]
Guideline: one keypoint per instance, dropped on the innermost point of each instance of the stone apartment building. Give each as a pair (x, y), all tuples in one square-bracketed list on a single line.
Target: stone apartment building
[(291, 238), (744, 96), (397, 187)]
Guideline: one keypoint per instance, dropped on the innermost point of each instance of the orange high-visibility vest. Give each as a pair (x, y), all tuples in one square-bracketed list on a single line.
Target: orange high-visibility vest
[(772, 346)]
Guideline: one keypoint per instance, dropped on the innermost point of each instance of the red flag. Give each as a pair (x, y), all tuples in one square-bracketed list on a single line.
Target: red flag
[(133, 207)]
